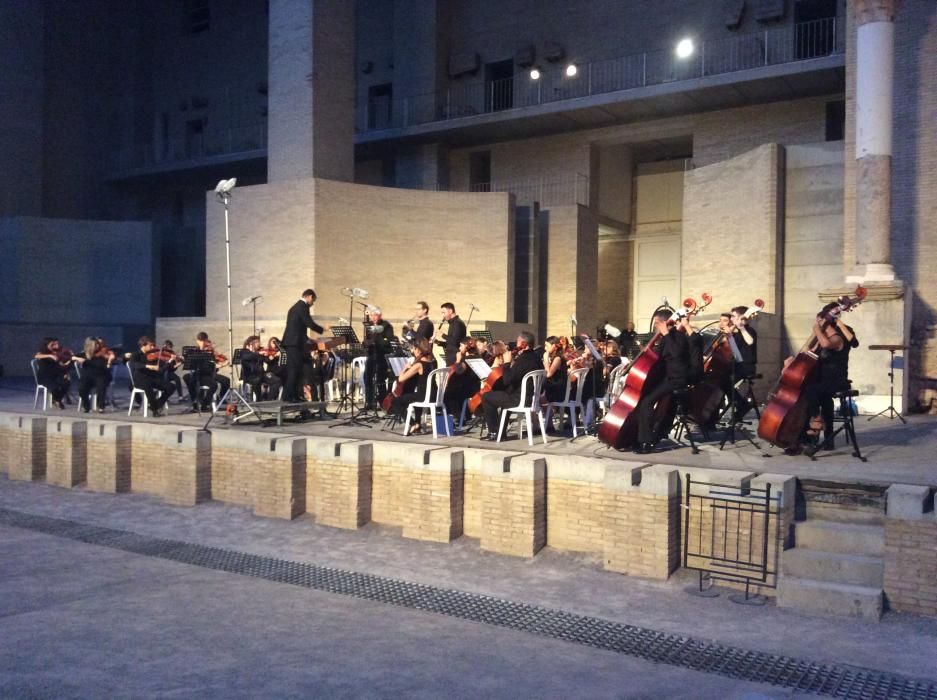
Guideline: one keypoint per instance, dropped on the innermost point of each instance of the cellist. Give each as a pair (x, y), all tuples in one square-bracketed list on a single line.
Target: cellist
[(674, 351), (413, 380)]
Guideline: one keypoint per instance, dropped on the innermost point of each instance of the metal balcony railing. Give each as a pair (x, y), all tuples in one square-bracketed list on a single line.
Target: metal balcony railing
[(193, 148), (780, 45), (557, 191)]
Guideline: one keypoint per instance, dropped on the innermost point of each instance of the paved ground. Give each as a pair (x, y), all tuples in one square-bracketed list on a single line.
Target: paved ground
[(896, 453), (79, 620)]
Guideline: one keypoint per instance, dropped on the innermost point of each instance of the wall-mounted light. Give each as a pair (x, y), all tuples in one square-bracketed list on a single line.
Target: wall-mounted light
[(534, 74), (571, 70), (685, 48)]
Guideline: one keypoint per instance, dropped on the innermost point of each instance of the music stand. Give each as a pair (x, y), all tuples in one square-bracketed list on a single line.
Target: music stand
[(736, 422), (483, 335), (348, 391), (596, 361), (891, 411)]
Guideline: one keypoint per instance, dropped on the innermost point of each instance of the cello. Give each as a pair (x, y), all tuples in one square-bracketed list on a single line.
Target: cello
[(706, 396), (784, 414), (619, 428)]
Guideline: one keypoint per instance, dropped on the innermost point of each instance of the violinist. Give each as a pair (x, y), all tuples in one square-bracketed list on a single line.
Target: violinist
[(253, 371), (146, 375), (484, 350), (413, 380), (273, 359), (746, 342), (379, 334), (554, 364), (456, 332), (167, 369), (611, 356), (517, 364), (52, 370), (317, 371), (463, 383), (674, 351), (96, 362), (206, 374), (836, 339)]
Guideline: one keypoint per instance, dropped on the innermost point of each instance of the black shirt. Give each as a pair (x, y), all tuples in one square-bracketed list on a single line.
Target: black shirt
[(749, 353), (515, 372), (424, 329), (675, 353), (454, 337), (298, 321), (138, 365), (834, 364), (379, 341), (252, 365)]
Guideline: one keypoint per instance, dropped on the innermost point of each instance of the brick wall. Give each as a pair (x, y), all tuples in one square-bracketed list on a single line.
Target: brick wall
[(433, 504), (109, 457), (514, 507), (476, 464), (911, 565), (66, 452), (576, 507), (170, 463), (340, 482), (27, 449)]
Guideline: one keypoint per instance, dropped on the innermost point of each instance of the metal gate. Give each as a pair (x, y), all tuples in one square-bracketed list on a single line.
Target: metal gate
[(731, 533)]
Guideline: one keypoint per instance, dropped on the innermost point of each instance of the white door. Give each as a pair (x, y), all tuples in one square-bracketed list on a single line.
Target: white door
[(656, 275)]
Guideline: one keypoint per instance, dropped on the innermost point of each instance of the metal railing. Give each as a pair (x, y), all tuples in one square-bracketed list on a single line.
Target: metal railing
[(213, 142), (779, 45)]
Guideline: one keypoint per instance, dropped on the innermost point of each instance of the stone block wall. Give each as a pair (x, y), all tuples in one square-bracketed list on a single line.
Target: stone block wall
[(477, 463), (235, 461), (911, 550), (170, 463), (26, 448), (514, 506), (340, 482), (109, 457), (433, 504), (392, 472), (280, 484), (66, 452), (576, 504)]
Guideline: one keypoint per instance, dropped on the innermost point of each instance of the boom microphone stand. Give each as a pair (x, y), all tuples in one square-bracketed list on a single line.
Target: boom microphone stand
[(223, 190)]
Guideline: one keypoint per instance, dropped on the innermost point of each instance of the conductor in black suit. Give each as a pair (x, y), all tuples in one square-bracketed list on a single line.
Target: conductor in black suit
[(298, 323)]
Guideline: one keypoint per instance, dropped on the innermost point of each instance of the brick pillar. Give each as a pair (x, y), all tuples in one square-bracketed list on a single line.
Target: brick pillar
[(476, 464), (67, 452), (109, 457), (911, 550), (875, 72), (280, 482), (642, 523), (514, 506), (432, 506), (9, 427), (27, 457), (392, 471), (171, 463), (341, 482), (576, 502)]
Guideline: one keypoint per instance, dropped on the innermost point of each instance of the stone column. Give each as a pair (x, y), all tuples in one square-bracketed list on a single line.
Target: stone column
[(310, 130), (875, 69)]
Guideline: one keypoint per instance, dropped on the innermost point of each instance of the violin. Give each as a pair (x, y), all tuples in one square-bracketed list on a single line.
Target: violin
[(155, 357), (619, 429), (784, 414), (219, 358), (64, 356)]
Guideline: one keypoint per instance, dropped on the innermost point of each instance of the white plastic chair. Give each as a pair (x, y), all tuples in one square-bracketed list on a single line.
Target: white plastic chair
[(441, 378), (616, 379), (133, 395), (528, 405), (357, 366), (46, 402), (571, 406)]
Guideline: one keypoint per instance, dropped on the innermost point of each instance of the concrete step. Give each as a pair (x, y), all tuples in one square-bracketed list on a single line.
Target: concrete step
[(826, 598), (844, 538), (851, 569)]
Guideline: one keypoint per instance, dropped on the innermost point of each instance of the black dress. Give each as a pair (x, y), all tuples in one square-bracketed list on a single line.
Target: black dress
[(414, 390), (555, 386)]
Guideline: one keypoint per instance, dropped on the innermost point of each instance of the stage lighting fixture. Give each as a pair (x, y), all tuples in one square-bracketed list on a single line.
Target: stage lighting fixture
[(571, 70), (685, 48), (534, 74)]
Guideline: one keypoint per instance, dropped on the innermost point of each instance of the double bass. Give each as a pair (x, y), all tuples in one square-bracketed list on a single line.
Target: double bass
[(784, 415), (706, 396), (619, 428)]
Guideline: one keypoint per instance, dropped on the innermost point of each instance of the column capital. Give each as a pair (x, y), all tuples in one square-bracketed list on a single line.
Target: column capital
[(874, 10)]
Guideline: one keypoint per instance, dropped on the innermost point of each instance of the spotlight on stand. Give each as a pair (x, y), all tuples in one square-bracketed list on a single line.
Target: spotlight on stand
[(685, 48), (571, 70), (534, 74), (224, 187)]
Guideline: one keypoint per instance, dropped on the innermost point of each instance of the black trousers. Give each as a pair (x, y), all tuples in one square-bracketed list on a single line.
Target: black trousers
[(293, 388), (258, 382), (492, 402), (172, 380), (647, 431), (375, 379), (93, 381), (214, 381), (820, 400), (400, 404), (151, 383)]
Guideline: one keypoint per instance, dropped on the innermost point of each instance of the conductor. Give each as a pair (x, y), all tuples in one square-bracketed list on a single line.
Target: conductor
[(298, 323)]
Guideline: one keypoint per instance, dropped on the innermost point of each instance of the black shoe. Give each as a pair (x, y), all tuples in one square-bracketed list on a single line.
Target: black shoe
[(828, 445), (643, 448), (794, 451)]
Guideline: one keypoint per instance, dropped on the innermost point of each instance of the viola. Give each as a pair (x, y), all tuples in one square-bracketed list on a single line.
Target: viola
[(707, 395), (154, 357), (619, 429), (784, 414)]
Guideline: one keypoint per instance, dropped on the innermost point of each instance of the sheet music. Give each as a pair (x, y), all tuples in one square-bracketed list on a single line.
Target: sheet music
[(397, 364), (479, 367), (595, 352)]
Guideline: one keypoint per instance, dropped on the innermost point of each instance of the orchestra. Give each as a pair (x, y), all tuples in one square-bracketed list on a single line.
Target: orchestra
[(702, 367)]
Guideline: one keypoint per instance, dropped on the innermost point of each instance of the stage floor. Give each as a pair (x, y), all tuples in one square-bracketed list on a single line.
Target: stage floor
[(896, 452)]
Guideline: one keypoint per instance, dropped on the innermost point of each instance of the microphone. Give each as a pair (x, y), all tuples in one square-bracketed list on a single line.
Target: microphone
[(474, 308), (251, 300), (573, 320), (343, 321), (347, 292), (360, 293), (664, 302)]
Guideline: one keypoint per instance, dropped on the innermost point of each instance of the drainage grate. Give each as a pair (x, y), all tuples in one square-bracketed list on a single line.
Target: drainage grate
[(839, 681)]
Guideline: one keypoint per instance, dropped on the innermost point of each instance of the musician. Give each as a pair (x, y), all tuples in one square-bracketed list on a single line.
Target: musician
[(836, 340), (272, 359), (298, 323), (484, 350), (95, 361), (517, 364), (317, 371), (628, 341), (453, 338), (424, 328), (413, 380), (695, 345), (167, 370), (205, 374), (746, 341), (377, 341), (674, 351), (254, 372), (146, 375), (498, 350), (52, 370), (554, 364), (463, 382)]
